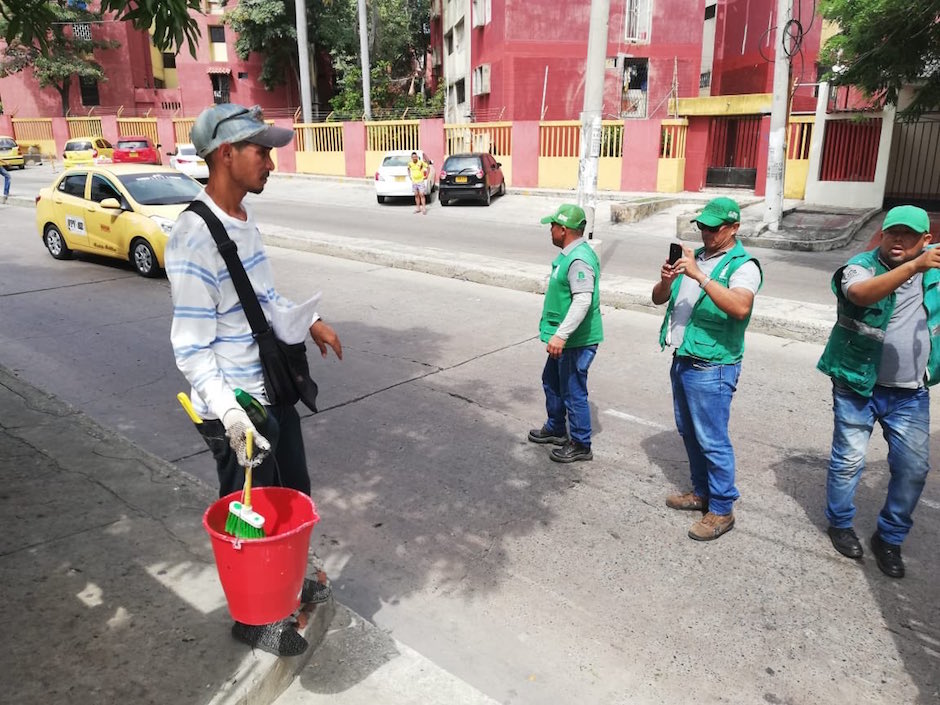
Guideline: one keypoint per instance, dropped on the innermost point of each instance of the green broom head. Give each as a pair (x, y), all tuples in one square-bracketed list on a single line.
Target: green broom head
[(243, 522)]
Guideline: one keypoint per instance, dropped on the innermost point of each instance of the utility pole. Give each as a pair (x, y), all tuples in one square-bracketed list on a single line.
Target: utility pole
[(776, 149), (303, 56), (594, 70), (364, 57)]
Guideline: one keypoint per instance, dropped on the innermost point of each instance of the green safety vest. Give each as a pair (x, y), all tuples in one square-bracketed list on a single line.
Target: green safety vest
[(711, 333), (853, 354), (558, 300)]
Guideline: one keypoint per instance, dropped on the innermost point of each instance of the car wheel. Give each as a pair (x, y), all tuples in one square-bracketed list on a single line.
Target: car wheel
[(444, 201), (380, 199), (429, 196), (143, 258), (486, 194), (55, 243), (502, 188), (22, 166)]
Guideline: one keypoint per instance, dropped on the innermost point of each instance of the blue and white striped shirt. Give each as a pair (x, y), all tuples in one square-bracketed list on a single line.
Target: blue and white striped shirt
[(211, 338)]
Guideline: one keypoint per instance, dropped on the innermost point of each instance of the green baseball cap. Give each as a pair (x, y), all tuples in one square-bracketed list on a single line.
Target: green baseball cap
[(567, 215), (230, 123), (719, 211), (913, 217)]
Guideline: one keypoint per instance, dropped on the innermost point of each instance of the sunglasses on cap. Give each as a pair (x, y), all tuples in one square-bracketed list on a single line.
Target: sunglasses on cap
[(254, 112)]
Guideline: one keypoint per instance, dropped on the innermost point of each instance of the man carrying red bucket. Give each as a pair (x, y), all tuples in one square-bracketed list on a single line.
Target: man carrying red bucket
[(217, 322)]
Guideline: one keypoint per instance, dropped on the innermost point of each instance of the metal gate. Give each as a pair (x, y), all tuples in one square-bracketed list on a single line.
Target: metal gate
[(732, 151), (914, 168)]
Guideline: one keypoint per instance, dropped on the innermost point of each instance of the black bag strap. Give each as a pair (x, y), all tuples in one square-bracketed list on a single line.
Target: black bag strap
[(229, 252)]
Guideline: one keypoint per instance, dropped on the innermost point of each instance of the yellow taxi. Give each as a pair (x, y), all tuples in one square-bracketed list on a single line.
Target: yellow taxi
[(87, 150), (10, 153), (121, 210)]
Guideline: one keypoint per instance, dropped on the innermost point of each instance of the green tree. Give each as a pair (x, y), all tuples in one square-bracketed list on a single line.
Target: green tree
[(29, 21), (884, 46), (66, 51)]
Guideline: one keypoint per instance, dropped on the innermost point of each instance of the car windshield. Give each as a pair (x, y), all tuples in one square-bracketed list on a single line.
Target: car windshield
[(77, 146), (132, 144), (187, 150), (397, 160), (455, 165), (160, 189), (7, 144)]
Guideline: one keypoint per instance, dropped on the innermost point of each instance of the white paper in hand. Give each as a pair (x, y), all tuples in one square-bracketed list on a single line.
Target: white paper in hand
[(292, 325)]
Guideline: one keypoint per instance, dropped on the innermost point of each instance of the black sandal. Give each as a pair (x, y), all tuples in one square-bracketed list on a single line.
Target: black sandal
[(278, 638), (314, 593)]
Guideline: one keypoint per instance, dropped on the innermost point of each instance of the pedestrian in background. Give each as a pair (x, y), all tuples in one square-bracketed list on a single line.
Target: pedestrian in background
[(212, 338), (882, 354), (571, 328), (418, 173), (711, 294), (6, 181)]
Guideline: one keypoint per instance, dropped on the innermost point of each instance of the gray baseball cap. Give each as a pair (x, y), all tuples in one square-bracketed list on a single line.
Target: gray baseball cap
[(231, 123)]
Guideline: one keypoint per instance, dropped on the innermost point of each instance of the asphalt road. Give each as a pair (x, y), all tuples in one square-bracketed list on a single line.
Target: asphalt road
[(508, 229), (533, 582)]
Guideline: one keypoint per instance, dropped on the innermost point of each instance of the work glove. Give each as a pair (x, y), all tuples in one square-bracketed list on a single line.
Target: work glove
[(237, 424)]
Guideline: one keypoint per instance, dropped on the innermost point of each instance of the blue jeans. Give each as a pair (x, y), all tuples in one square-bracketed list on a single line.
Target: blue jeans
[(564, 380), (701, 398), (904, 415), (6, 180)]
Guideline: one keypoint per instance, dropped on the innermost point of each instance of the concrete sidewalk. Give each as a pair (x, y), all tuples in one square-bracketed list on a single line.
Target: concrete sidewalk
[(110, 589)]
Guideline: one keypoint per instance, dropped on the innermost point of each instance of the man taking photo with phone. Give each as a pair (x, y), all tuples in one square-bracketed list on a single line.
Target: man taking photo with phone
[(710, 292)]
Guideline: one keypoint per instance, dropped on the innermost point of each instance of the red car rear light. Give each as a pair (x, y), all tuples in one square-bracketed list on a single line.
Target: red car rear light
[(37, 199), (94, 153), (378, 176)]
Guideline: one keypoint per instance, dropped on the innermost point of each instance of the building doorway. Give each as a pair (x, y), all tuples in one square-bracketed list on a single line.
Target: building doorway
[(732, 151)]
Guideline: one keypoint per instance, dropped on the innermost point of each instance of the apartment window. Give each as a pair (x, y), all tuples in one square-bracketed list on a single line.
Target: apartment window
[(637, 20), (82, 31), (705, 80), (460, 90), (710, 11), (169, 60), (458, 35), (221, 87), (217, 49), (481, 79), (481, 12), (89, 89), (449, 42), (633, 102)]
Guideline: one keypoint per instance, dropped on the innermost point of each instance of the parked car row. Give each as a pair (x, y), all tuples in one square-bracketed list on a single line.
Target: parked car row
[(473, 176)]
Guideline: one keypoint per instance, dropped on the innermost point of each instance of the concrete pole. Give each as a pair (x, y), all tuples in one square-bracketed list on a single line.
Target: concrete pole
[(776, 154), (303, 56), (594, 70), (364, 57)]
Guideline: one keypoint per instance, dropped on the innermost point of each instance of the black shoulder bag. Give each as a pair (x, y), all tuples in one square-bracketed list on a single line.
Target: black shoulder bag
[(285, 368)]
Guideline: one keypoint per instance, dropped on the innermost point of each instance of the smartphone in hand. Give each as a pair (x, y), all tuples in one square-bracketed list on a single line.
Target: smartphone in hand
[(675, 252)]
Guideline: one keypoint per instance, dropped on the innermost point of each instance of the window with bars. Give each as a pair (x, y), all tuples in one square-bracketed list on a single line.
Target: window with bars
[(82, 31), (637, 15)]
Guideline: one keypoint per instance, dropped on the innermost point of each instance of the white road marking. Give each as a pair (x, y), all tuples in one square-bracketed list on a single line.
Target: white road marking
[(635, 419)]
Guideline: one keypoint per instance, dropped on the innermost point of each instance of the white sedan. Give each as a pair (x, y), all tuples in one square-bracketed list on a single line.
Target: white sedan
[(391, 178), (187, 161)]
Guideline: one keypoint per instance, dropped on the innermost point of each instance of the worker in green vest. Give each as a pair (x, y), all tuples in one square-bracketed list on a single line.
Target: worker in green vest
[(710, 293), (883, 353), (571, 329)]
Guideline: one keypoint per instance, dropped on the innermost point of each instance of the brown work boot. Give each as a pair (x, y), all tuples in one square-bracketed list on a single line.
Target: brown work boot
[(689, 501), (711, 526)]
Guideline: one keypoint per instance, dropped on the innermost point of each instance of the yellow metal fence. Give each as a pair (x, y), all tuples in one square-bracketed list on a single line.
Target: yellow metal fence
[(799, 135), (389, 135), (131, 127), (560, 150), (319, 148), (35, 133), (84, 127)]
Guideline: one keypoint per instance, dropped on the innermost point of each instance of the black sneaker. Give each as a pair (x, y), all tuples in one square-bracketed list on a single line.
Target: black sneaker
[(543, 435), (570, 452), (278, 638), (888, 556), (314, 593), (845, 542)]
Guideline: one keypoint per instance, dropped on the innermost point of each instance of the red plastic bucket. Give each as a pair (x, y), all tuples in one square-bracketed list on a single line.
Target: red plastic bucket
[(262, 578)]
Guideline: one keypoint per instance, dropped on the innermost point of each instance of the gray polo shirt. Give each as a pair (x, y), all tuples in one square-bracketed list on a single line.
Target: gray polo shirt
[(907, 340)]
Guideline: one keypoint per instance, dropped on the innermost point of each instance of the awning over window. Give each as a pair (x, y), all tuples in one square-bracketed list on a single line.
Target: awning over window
[(219, 70)]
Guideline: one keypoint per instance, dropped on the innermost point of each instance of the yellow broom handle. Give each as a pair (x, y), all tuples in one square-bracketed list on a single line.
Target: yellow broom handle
[(249, 448)]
